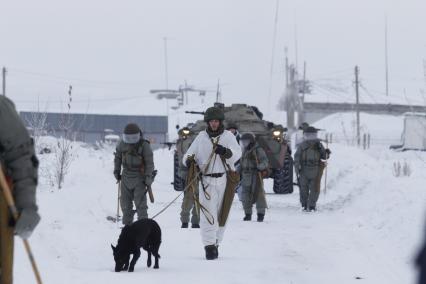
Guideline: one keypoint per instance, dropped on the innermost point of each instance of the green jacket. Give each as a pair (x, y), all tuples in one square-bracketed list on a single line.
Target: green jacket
[(133, 158)]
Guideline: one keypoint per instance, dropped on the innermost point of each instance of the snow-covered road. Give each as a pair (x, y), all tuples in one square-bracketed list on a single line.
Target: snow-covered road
[(368, 226)]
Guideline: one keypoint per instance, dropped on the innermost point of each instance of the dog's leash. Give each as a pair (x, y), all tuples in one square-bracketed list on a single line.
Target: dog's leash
[(204, 210)]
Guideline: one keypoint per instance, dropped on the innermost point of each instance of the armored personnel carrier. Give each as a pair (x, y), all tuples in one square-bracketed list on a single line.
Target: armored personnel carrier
[(271, 138)]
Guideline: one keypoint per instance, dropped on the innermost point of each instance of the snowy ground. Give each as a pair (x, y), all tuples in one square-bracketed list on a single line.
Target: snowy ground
[(368, 225)]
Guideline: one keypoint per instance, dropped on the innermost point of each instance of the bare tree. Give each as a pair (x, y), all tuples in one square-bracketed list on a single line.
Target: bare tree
[(64, 155), (37, 122)]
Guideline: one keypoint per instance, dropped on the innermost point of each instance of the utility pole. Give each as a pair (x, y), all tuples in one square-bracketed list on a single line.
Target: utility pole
[(218, 95), (166, 63), (4, 81), (358, 141), (296, 48), (286, 67), (386, 56)]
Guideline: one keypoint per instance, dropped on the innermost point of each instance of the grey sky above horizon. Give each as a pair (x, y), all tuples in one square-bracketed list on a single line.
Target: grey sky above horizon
[(114, 49)]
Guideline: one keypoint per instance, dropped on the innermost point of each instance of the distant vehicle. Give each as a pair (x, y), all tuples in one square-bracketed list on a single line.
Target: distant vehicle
[(414, 133), (271, 138)]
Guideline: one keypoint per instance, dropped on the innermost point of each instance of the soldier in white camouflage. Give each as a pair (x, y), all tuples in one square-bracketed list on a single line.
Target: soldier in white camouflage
[(134, 155)]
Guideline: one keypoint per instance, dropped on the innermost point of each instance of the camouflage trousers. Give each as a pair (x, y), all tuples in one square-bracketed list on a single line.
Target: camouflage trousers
[(188, 205), (133, 190)]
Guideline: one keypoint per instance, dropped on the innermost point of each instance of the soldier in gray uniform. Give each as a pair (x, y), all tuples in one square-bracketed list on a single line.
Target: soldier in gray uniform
[(188, 204), (253, 161), (19, 163), (232, 126), (307, 165), (134, 154)]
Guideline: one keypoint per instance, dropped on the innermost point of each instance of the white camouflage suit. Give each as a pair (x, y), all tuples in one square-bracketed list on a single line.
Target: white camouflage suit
[(202, 148)]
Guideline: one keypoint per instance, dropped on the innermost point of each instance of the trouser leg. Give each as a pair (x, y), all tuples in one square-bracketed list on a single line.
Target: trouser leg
[(126, 203), (186, 207), (313, 193), (210, 233), (247, 199), (304, 190), (141, 201)]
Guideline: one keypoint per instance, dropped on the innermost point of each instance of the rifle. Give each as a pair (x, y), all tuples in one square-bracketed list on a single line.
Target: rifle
[(169, 144), (326, 166), (149, 189), (195, 112), (150, 194)]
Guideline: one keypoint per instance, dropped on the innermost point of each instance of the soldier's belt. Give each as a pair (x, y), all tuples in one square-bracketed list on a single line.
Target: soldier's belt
[(215, 175)]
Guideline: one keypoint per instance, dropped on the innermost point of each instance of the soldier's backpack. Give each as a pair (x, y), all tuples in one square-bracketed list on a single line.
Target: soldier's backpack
[(311, 156)]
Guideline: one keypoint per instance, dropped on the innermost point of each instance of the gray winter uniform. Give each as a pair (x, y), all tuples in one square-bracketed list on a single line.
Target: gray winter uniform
[(18, 161), (307, 161), (250, 178), (138, 164), (188, 205)]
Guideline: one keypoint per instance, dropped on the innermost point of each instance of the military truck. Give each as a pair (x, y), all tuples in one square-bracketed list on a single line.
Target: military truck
[(271, 138)]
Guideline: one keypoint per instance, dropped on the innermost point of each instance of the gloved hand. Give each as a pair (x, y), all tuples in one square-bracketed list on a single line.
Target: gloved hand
[(148, 180), (117, 175), (27, 221), (327, 152), (223, 151), (220, 150), (189, 161)]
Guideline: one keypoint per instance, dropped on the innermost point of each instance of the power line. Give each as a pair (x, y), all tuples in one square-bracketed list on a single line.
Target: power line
[(14, 71)]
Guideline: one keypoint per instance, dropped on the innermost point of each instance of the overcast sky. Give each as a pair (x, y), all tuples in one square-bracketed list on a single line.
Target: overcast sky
[(115, 49)]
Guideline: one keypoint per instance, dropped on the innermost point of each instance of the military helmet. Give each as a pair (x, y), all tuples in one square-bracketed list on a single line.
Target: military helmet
[(310, 129), (214, 113), (248, 136), (304, 126), (231, 125), (131, 128)]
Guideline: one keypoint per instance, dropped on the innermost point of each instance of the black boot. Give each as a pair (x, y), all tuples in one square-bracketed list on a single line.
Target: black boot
[(211, 252), (184, 225), (312, 208), (195, 226), (247, 217), (260, 217)]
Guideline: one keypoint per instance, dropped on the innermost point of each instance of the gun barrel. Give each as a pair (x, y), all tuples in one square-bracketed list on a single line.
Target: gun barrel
[(195, 112)]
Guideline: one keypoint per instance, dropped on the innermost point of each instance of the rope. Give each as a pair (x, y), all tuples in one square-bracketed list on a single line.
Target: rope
[(204, 210)]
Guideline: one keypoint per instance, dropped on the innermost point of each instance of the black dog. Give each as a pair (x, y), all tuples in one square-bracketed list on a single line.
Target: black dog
[(143, 233)]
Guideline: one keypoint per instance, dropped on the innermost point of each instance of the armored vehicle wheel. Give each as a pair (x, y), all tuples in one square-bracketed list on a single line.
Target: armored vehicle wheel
[(178, 182), (283, 177)]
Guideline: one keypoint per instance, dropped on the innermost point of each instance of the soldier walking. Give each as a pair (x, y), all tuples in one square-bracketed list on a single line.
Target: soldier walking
[(189, 211), (211, 150), (20, 164), (134, 155), (308, 165), (254, 163)]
